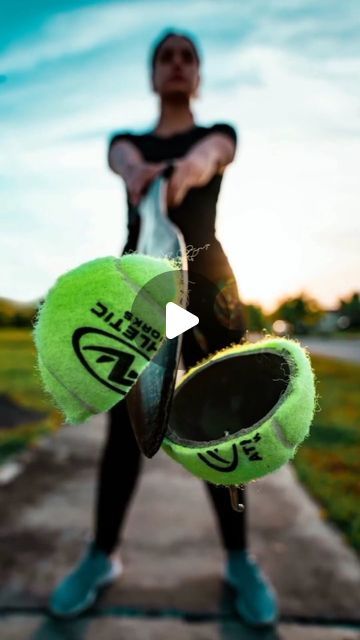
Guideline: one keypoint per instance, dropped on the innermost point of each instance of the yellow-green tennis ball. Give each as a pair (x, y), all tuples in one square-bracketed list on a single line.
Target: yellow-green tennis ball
[(242, 413), (91, 347)]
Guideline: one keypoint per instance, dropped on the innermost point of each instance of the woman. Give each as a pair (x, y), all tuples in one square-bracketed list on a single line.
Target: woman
[(200, 155)]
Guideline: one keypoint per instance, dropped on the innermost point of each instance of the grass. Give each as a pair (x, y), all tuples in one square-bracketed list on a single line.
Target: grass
[(328, 462), (19, 380)]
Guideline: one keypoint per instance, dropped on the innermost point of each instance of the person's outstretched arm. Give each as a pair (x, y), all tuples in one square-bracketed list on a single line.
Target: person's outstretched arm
[(206, 158), (127, 161)]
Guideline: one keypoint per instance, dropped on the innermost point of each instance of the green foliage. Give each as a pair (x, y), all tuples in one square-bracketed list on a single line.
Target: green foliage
[(19, 380), (351, 309), (16, 314), (256, 319), (302, 313), (328, 462)]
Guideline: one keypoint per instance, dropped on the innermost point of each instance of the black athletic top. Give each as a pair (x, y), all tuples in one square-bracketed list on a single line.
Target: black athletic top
[(195, 216)]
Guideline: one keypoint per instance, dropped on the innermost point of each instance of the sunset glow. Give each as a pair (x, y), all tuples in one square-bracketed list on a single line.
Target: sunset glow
[(288, 209)]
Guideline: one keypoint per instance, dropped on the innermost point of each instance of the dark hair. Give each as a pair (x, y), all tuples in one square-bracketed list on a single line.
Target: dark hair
[(164, 36)]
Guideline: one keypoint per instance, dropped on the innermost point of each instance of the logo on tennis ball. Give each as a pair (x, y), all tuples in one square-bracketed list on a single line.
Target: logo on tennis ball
[(104, 357), (226, 466)]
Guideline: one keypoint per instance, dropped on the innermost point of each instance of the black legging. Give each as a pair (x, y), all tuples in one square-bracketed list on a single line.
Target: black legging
[(121, 461)]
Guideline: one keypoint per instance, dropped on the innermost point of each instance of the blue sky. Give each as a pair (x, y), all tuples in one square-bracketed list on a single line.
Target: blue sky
[(284, 73)]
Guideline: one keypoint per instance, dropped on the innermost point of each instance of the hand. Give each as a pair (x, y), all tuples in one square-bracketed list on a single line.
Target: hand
[(189, 172), (140, 176)]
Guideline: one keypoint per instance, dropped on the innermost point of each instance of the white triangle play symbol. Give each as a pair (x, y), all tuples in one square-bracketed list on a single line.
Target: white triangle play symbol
[(178, 320)]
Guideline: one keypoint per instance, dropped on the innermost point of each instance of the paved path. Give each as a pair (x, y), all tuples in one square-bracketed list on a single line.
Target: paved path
[(337, 348), (173, 582)]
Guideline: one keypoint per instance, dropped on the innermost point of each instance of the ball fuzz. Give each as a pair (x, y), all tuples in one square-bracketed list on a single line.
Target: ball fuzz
[(242, 413), (91, 347)]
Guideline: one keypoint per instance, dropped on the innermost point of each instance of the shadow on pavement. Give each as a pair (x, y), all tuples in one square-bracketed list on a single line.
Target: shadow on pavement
[(52, 629), (230, 627), (227, 624)]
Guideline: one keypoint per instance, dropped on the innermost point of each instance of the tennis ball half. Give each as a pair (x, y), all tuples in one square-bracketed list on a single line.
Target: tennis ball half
[(242, 412), (91, 347)]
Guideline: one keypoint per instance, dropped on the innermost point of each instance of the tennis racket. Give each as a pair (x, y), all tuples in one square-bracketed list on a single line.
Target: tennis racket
[(149, 400)]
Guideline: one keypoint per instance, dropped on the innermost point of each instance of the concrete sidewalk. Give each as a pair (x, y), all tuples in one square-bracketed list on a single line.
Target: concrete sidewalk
[(172, 588), (347, 350)]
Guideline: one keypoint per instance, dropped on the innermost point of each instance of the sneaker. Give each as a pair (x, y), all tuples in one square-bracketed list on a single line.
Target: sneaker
[(255, 598), (79, 590)]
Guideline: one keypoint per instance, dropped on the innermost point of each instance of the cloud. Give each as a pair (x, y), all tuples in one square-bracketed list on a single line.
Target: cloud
[(66, 35), (284, 76), (330, 29)]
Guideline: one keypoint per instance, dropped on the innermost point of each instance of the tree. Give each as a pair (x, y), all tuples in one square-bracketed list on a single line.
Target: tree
[(16, 314), (301, 312), (256, 320), (351, 309)]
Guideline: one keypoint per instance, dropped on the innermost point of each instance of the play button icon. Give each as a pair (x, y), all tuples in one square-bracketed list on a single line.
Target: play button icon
[(178, 320), (158, 316)]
